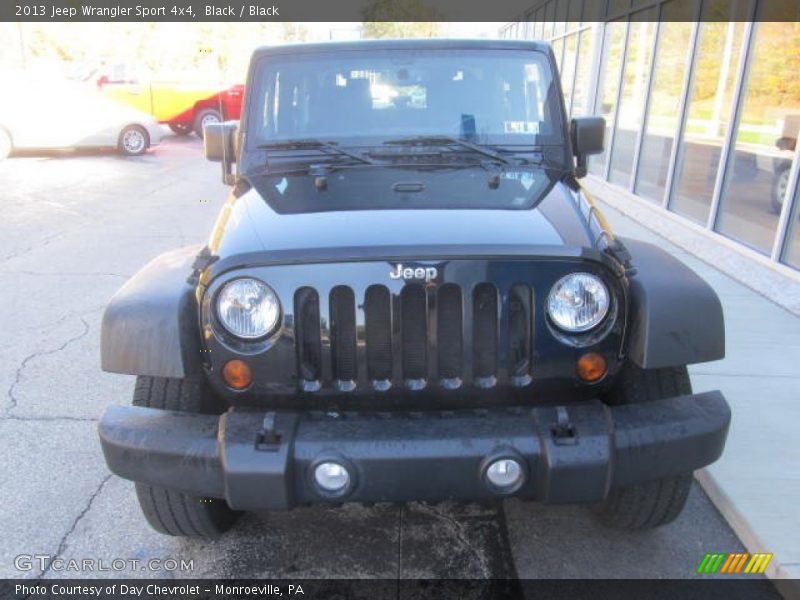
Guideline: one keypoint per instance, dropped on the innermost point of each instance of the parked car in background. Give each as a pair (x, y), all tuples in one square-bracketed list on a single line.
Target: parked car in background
[(185, 104), (52, 113)]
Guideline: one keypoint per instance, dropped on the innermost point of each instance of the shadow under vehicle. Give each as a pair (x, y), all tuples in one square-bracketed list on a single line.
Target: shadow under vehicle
[(409, 296)]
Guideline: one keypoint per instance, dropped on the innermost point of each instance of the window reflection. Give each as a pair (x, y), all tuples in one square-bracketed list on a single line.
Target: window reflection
[(792, 253), (757, 174), (709, 112), (617, 6), (558, 49), (568, 68), (634, 88), (608, 84), (662, 120), (579, 95), (574, 14), (550, 12)]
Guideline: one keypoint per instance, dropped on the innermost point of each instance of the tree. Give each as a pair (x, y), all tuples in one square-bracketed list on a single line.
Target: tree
[(399, 19)]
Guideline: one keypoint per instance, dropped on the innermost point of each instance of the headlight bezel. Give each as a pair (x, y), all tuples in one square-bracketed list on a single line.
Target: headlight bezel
[(589, 334), (223, 328)]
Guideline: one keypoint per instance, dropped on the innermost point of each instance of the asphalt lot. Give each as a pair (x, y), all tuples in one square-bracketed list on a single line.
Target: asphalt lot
[(74, 227)]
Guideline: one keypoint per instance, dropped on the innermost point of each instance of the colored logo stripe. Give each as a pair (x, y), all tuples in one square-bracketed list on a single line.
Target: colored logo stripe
[(734, 563), (710, 563), (758, 564)]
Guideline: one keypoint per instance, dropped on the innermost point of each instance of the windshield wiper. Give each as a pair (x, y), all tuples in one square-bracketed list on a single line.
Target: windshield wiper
[(311, 143), (444, 140)]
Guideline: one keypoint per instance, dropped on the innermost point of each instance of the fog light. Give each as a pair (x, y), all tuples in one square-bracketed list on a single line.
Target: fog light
[(505, 474), (591, 367), (331, 477), (237, 374)]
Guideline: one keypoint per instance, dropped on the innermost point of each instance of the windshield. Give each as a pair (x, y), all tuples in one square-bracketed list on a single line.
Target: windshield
[(494, 97)]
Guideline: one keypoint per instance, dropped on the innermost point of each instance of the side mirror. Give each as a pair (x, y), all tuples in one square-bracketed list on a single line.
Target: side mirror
[(587, 135), (219, 142)]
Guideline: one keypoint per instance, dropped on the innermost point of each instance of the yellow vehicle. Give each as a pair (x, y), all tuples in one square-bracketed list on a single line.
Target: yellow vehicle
[(185, 105)]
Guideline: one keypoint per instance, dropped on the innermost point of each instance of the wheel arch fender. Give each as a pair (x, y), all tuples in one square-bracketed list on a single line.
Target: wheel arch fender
[(151, 325), (676, 317)]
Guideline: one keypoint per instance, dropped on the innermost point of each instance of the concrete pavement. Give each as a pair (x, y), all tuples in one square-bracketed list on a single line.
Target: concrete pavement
[(756, 483)]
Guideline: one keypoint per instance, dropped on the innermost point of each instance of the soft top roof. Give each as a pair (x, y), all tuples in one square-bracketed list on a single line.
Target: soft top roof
[(401, 44)]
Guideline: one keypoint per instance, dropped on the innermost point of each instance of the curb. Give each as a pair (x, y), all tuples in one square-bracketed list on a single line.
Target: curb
[(780, 576)]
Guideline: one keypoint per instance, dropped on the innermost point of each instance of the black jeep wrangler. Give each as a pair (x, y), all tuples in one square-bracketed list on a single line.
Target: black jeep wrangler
[(409, 296)]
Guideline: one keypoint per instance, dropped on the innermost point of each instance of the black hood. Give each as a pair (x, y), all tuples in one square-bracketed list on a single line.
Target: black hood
[(250, 223)]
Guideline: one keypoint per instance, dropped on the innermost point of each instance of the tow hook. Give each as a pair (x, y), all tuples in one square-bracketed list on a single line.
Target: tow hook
[(564, 433), (267, 438)]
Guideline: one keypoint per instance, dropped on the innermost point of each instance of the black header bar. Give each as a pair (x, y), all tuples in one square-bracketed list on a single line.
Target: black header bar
[(325, 10)]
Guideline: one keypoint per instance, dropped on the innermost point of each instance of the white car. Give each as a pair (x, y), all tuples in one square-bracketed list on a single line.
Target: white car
[(60, 114)]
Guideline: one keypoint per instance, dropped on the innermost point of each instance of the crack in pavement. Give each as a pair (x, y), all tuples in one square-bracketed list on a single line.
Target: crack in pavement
[(63, 543), (41, 244), (460, 534), (13, 400), (67, 274), (8, 417)]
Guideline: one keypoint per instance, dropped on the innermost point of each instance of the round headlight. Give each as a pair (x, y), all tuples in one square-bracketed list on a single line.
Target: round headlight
[(248, 308), (578, 302)]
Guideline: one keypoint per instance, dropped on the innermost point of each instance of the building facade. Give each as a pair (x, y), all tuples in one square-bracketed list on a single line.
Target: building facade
[(702, 106)]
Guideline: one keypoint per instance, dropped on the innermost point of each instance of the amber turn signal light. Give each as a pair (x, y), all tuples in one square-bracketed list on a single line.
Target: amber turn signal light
[(591, 366), (237, 374)]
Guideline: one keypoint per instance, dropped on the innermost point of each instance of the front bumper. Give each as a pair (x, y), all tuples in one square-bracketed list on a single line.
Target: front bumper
[(574, 453)]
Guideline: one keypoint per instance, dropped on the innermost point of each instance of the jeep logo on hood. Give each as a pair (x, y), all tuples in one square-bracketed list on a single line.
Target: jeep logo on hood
[(426, 274)]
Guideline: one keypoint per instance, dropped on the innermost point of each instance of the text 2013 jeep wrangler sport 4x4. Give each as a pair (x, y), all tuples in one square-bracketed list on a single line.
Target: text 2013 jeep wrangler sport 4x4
[(408, 296)]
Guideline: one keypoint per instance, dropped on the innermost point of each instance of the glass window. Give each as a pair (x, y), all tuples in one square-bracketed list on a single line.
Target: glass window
[(719, 47), (593, 11), (608, 86), (579, 95), (561, 16), (767, 129), (568, 68), (366, 97), (574, 14), (662, 116), (792, 253), (558, 48), (539, 25), (631, 104), (550, 17), (615, 7)]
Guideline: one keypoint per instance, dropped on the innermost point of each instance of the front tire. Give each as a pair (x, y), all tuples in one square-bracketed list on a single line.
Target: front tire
[(168, 511), (181, 128), (133, 141), (780, 184), (652, 503), (204, 117)]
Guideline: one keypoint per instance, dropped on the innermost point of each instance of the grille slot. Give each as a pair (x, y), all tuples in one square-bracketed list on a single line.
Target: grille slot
[(343, 336), (414, 332), (520, 328), (308, 343), (484, 341), (446, 336), (449, 320), (378, 315)]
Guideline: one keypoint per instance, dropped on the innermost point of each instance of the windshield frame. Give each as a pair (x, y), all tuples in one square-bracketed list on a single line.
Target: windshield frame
[(251, 138)]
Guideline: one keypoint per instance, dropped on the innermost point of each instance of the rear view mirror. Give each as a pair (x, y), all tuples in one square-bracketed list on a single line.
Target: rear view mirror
[(219, 141), (587, 135)]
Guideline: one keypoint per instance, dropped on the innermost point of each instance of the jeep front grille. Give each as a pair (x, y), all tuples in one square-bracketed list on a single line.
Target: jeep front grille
[(421, 338)]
